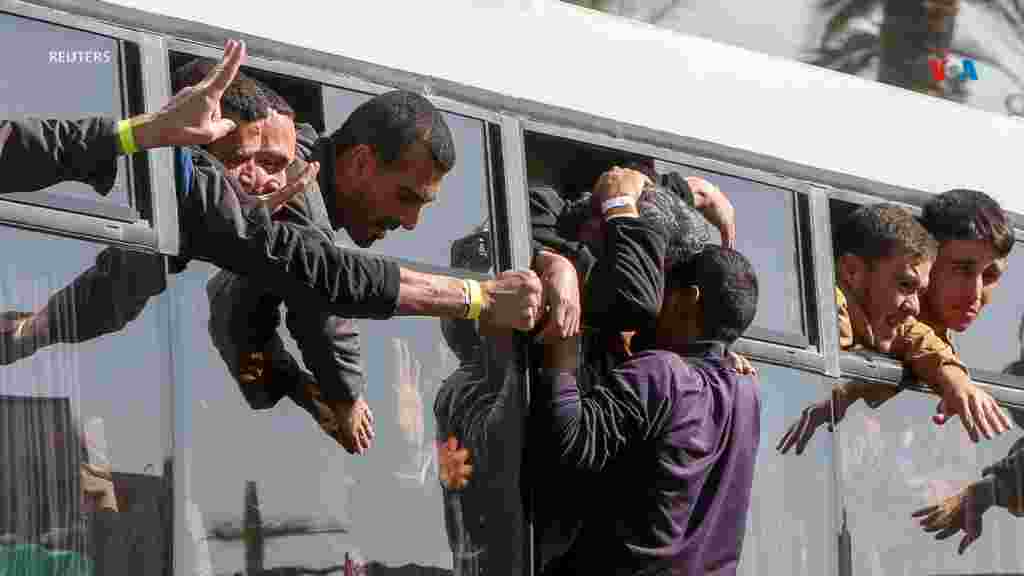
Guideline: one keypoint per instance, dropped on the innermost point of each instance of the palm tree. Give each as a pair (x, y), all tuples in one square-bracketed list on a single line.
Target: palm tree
[(909, 33)]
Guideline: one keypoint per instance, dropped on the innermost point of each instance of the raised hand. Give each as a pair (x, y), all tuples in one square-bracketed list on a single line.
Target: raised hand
[(193, 115), (710, 201)]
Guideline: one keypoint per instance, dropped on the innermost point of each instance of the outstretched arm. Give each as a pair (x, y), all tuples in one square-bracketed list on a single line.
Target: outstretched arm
[(101, 300)]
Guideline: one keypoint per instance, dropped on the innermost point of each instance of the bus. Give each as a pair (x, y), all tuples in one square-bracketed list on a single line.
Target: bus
[(530, 89)]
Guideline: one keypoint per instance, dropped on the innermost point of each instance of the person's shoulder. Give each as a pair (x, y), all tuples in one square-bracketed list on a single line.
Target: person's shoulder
[(659, 364)]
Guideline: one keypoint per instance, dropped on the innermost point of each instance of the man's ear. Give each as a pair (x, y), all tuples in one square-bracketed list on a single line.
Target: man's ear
[(681, 302), (851, 270), (362, 161)]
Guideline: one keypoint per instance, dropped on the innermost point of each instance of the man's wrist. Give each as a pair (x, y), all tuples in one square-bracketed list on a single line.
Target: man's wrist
[(486, 297), (984, 494), (145, 132)]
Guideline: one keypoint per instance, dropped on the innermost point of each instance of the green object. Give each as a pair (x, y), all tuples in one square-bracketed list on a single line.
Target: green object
[(34, 560)]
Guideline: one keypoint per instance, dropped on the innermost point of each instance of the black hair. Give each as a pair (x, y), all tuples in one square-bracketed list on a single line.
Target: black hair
[(245, 99), (962, 214), (392, 122), (883, 230), (728, 287)]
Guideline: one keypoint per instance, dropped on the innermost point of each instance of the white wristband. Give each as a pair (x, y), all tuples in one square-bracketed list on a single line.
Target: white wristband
[(617, 202)]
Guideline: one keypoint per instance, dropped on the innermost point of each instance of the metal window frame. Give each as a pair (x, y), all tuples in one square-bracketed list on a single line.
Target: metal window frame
[(334, 79), (878, 368), (776, 347), (93, 226)]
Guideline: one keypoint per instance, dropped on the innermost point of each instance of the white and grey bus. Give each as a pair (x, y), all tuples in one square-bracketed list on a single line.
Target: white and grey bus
[(521, 83)]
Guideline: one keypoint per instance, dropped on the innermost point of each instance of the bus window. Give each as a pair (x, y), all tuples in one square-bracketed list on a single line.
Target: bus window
[(42, 64), (766, 233)]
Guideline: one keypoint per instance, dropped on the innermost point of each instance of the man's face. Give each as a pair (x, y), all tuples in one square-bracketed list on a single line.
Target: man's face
[(382, 197), (887, 290), (257, 153), (965, 274)]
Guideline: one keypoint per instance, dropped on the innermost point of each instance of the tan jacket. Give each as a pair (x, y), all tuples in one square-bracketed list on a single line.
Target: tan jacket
[(921, 348)]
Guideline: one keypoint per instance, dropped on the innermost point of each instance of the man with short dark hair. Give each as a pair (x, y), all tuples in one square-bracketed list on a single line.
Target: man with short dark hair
[(225, 224), (671, 434), (381, 168), (973, 239)]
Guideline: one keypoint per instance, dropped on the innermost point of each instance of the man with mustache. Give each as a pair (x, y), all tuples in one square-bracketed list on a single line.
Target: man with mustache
[(227, 226)]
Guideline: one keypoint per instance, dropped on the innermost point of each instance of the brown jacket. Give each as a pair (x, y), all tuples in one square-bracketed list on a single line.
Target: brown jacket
[(924, 350)]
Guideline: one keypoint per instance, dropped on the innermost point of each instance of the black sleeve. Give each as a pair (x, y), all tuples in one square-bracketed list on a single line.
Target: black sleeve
[(1008, 477), (298, 263), (546, 207), (679, 186), (243, 319), (102, 300), (626, 286), (107, 296), (589, 428), (37, 153), (330, 347), (305, 141)]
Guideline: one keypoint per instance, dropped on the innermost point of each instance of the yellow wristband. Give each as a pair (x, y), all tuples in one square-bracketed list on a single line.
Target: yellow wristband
[(476, 299), (124, 134)]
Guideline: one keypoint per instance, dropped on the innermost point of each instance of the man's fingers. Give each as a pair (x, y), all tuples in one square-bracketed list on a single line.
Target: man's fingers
[(977, 407), (221, 128), (729, 236), (224, 73), (923, 511), (966, 418), (276, 199), (967, 540)]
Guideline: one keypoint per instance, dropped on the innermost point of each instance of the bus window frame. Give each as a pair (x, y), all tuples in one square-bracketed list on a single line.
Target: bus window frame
[(114, 225), (799, 351)]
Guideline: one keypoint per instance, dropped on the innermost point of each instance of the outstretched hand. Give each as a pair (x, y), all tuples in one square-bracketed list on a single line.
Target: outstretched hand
[(960, 512), (976, 408), (273, 201), (193, 115)]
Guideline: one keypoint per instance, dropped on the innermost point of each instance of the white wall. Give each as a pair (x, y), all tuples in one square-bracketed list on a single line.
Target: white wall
[(554, 53)]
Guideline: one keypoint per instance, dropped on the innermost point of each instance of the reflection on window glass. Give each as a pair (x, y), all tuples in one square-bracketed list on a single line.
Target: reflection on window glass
[(42, 64), (80, 473), (766, 234), (321, 507), (789, 524), (895, 461), (462, 203), (996, 340)]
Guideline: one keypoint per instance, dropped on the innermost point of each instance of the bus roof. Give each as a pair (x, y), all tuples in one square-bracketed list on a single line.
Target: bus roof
[(548, 58)]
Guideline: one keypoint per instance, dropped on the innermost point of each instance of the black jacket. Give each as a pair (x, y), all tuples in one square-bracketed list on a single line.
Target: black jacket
[(294, 259)]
